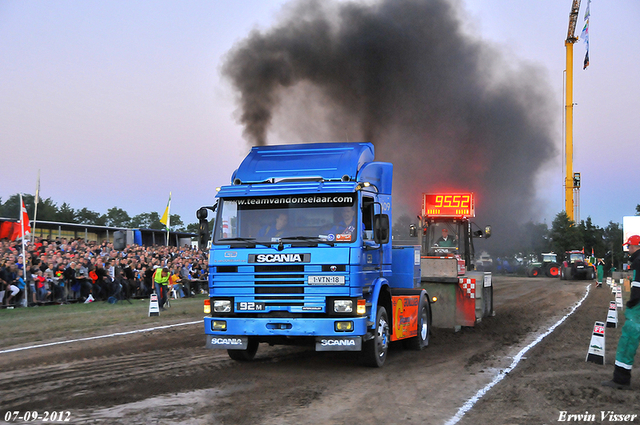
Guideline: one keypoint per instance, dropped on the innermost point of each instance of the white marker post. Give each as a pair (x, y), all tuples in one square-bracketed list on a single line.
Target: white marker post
[(619, 297), (596, 347), (154, 309), (612, 316)]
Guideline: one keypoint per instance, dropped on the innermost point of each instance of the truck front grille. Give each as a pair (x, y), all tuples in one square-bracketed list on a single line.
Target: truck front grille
[(283, 288)]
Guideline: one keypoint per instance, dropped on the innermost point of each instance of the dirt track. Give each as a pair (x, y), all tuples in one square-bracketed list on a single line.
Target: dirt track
[(169, 377)]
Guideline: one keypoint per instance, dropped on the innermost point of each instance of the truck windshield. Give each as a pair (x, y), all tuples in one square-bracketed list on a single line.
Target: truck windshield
[(442, 238), (326, 217)]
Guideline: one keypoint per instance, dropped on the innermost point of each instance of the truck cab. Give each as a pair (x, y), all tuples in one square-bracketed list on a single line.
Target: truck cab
[(448, 238), (301, 253)]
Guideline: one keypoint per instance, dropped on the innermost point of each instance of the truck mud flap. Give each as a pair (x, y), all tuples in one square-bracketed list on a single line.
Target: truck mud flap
[(328, 343), (227, 342)]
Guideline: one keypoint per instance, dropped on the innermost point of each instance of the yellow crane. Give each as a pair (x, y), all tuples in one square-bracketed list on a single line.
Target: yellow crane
[(569, 183)]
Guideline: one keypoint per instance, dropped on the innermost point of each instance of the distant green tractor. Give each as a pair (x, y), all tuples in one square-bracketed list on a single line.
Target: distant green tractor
[(548, 267)]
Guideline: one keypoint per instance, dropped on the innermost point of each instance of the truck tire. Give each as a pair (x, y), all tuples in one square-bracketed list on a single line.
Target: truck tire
[(563, 273), (245, 355), (552, 270), (421, 340), (374, 351)]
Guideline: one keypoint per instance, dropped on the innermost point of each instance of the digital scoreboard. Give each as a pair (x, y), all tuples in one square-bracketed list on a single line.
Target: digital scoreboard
[(448, 205)]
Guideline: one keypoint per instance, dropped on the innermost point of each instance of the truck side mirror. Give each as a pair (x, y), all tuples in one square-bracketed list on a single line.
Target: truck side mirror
[(487, 231), (413, 231), (203, 228), (381, 228), (202, 214)]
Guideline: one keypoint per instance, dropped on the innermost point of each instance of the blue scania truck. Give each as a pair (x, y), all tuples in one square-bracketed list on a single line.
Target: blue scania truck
[(301, 254)]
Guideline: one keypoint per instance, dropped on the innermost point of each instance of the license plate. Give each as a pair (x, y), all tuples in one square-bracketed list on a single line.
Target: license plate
[(250, 306), (325, 280)]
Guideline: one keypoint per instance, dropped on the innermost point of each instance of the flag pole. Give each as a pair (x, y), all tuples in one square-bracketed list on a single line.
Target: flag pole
[(36, 201), (24, 255), (168, 217)]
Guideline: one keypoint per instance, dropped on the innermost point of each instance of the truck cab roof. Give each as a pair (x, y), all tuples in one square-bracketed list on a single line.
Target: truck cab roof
[(313, 164)]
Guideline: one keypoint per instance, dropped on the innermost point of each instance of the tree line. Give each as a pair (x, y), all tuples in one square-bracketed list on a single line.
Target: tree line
[(48, 210)]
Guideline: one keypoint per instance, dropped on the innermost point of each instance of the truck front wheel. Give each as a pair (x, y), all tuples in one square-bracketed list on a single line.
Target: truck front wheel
[(421, 340), (374, 351), (245, 355)]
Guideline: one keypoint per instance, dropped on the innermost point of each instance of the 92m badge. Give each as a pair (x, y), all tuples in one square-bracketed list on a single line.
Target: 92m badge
[(250, 306)]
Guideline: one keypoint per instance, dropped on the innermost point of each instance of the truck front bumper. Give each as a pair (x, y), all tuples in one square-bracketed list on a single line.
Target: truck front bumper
[(327, 337)]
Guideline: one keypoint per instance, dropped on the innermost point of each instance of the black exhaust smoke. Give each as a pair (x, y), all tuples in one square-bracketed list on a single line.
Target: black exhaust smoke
[(447, 109)]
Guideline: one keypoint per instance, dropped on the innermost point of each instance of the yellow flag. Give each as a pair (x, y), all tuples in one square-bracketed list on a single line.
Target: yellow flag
[(165, 217)]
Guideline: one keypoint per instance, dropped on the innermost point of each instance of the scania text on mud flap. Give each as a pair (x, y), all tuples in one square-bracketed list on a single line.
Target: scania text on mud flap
[(448, 270), (301, 253)]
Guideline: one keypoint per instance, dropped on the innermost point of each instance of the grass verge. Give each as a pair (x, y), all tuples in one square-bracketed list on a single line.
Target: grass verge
[(35, 325)]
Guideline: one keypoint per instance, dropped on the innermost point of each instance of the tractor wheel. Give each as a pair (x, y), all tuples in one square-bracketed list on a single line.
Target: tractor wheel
[(535, 272), (552, 270), (569, 273)]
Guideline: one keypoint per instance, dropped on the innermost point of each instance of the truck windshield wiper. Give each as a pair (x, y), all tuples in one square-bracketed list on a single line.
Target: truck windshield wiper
[(307, 238), (250, 241)]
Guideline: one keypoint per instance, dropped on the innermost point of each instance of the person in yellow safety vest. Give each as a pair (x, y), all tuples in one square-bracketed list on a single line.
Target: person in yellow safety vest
[(161, 281)]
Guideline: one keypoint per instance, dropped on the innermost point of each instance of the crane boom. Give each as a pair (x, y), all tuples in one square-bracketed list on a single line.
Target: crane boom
[(568, 182), (573, 18)]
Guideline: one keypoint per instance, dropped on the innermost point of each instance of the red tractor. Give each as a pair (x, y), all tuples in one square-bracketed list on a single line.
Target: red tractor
[(577, 266)]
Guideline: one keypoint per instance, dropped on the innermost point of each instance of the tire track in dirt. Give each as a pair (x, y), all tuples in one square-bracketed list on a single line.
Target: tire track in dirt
[(85, 377)]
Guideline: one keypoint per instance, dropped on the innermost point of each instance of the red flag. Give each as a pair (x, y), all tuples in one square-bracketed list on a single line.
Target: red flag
[(22, 224), (25, 220)]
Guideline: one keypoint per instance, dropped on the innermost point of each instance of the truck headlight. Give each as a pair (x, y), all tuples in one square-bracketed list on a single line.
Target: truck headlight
[(218, 325), (343, 306), (343, 326), (222, 306)]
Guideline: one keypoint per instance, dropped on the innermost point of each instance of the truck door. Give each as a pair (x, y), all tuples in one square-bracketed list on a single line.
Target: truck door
[(372, 260)]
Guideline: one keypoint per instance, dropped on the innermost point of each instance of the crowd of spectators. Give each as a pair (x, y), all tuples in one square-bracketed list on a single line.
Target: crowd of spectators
[(76, 270)]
